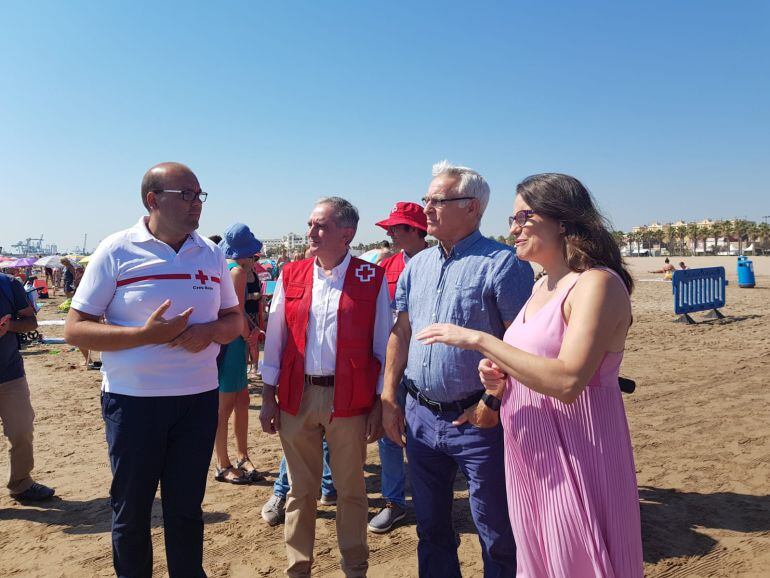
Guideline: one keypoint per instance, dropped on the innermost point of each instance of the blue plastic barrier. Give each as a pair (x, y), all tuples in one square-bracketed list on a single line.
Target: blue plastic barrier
[(699, 290)]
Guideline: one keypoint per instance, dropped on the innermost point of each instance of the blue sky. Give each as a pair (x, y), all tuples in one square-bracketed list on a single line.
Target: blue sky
[(661, 108)]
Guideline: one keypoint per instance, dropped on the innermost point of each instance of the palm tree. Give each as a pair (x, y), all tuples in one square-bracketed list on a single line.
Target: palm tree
[(645, 235), (741, 231), (751, 234), (692, 234), (681, 233), (705, 233), (763, 233), (657, 237), (668, 236), (619, 237), (718, 230), (728, 230)]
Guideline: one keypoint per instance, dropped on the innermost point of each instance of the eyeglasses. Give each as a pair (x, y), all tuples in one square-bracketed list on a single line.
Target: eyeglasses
[(187, 195), (520, 218), (439, 202)]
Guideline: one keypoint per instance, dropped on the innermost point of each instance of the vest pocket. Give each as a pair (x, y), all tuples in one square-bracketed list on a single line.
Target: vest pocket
[(294, 291), (365, 371)]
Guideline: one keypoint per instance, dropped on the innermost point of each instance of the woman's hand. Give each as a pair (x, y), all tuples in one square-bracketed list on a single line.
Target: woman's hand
[(449, 334), (492, 377)]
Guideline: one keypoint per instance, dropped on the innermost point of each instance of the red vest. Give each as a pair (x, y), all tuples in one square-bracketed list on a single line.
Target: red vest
[(356, 368), (394, 266)]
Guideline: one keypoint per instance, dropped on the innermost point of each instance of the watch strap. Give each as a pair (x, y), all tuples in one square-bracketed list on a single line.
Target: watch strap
[(491, 401)]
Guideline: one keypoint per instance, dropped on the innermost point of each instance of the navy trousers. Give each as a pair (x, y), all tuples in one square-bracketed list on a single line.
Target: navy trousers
[(436, 449), (166, 440)]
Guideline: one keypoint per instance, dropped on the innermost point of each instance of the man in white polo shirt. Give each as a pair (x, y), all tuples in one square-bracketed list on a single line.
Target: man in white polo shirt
[(168, 302)]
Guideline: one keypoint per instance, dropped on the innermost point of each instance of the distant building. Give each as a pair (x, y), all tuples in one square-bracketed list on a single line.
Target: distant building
[(288, 243)]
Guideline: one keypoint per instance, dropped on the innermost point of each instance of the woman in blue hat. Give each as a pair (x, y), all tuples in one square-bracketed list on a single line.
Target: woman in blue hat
[(240, 247)]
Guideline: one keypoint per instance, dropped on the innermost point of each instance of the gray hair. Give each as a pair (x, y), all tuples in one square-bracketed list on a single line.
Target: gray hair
[(471, 184), (345, 214)]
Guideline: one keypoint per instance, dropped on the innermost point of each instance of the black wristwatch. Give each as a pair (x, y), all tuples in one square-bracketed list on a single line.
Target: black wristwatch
[(491, 401)]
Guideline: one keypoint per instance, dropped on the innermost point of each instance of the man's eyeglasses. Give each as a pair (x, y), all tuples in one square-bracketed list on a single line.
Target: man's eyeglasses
[(520, 217), (439, 202), (187, 195)]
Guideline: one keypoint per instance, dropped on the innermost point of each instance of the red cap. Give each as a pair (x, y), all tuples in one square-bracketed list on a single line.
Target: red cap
[(406, 214)]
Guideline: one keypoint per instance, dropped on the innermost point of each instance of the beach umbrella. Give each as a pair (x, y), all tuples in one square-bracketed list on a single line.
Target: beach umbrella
[(84, 260), (8, 264), (50, 261), (24, 262), (370, 256)]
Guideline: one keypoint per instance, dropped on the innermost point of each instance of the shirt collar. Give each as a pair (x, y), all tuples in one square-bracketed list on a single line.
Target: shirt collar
[(462, 245), (140, 233), (338, 272)]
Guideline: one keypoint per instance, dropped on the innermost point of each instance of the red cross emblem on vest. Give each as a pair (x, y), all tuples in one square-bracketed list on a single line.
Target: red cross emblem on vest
[(201, 276), (365, 272)]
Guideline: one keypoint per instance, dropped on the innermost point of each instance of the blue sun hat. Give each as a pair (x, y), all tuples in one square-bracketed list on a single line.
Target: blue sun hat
[(239, 242)]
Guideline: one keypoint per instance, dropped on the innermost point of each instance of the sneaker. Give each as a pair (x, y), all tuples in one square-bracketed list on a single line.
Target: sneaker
[(387, 518), (274, 509), (35, 493), (328, 499)]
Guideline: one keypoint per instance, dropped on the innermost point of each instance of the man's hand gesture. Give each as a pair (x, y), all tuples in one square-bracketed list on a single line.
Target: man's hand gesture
[(158, 330)]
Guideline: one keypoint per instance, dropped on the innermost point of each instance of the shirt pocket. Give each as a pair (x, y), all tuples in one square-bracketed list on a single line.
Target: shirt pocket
[(467, 308)]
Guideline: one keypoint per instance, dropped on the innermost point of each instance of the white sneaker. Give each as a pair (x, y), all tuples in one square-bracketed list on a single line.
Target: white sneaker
[(274, 510)]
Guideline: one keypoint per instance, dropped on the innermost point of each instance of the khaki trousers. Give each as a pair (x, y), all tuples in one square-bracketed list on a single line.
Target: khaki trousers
[(17, 416), (301, 437)]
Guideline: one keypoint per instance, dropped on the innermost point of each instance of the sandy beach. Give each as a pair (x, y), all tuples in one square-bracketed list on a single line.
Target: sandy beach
[(699, 425)]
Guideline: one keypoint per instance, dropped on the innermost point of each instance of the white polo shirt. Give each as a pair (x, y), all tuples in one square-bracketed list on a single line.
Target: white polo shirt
[(128, 277)]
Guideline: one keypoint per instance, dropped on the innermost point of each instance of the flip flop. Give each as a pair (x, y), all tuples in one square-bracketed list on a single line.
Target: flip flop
[(222, 477)]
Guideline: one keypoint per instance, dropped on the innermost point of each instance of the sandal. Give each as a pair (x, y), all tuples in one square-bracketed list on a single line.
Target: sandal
[(251, 474), (239, 479)]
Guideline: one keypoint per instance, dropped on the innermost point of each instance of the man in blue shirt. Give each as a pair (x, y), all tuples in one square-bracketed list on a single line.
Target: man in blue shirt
[(474, 282), (17, 316)]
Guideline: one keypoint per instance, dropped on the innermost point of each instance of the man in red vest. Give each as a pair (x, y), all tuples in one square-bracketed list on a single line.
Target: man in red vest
[(327, 334), (408, 227)]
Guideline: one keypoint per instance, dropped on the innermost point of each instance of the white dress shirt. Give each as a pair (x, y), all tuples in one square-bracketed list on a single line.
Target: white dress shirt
[(321, 337)]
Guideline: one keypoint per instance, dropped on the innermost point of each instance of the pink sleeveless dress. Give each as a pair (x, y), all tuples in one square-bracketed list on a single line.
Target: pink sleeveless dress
[(572, 493)]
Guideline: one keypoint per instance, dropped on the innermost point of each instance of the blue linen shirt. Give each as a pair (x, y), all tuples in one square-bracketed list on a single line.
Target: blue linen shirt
[(480, 285)]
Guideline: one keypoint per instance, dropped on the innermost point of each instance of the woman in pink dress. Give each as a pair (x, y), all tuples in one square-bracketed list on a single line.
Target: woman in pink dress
[(572, 491)]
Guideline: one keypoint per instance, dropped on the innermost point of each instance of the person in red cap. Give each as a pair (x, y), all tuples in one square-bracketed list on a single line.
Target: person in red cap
[(408, 227)]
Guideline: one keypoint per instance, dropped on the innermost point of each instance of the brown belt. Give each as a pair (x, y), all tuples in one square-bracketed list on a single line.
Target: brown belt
[(320, 380)]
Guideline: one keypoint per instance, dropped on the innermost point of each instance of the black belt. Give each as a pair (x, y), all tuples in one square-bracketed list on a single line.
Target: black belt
[(320, 380), (439, 407)]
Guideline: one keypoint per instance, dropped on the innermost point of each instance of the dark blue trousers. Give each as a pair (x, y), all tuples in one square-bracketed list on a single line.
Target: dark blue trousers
[(436, 449), (166, 440)]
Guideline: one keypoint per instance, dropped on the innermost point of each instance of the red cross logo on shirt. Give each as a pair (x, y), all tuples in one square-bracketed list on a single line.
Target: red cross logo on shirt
[(365, 272), (201, 276)]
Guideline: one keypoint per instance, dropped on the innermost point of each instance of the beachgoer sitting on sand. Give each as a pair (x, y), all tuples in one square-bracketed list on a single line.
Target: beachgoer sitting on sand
[(667, 268), (682, 266)]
